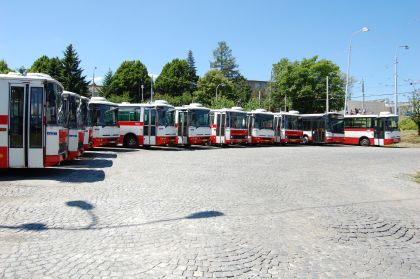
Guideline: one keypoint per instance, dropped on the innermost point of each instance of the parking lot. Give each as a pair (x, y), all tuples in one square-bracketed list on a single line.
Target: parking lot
[(260, 212)]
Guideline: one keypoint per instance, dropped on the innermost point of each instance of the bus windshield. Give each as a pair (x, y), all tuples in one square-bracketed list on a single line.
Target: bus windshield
[(292, 122), (200, 118), (336, 124), (166, 116), (390, 123), (263, 121), (104, 115), (84, 113), (238, 120)]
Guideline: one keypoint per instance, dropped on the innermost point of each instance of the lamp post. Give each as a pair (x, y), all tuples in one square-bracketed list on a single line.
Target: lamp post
[(217, 87), (364, 29), (396, 79), (142, 95), (93, 82)]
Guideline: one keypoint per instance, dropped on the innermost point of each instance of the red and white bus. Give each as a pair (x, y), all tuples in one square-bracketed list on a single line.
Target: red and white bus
[(368, 130), (192, 124), (104, 116), (288, 127), (260, 127), (147, 124), (229, 126), (72, 106), (87, 125), (323, 128), (32, 119)]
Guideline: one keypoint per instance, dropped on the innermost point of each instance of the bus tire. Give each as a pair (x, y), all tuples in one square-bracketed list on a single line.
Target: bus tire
[(364, 141), (130, 141), (305, 139)]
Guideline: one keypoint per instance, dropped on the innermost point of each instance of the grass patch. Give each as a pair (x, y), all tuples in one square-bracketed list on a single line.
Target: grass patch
[(410, 136), (417, 177)]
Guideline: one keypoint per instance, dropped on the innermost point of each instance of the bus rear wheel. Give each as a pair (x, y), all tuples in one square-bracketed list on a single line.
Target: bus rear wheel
[(364, 142), (130, 141), (305, 139)]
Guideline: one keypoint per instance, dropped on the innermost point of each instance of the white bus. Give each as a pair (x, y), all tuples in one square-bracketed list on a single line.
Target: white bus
[(32, 131), (325, 128), (72, 106), (368, 130), (229, 126), (104, 116), (288, 127), (147, 124), (87, 123), (260, 127), (192, 124)]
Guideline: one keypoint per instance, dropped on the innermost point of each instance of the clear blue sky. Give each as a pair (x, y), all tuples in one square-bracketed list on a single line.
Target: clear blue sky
[(260, 33)]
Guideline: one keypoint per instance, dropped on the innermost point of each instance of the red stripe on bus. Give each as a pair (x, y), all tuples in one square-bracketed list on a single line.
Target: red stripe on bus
[(293, 133), (130, 123), (3, 157), (239, 132), (53, 160), (4, 119)]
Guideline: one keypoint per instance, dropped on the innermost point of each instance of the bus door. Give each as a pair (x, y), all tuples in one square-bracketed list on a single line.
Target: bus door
[(149, 131), (26, 129), (221, 127), (182, 127), (379, 132), (318, 135), (277, 128), (250, 121)]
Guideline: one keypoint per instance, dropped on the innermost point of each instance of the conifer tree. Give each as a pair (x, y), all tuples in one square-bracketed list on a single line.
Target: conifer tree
[(72, 76)]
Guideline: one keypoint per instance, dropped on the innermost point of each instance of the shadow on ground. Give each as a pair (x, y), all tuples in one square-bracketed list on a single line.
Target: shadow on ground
[(93, 224)]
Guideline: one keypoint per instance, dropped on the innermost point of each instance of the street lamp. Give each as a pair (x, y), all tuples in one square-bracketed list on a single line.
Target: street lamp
[(93, 82), (364, 29), (396, 79), (217, 87)]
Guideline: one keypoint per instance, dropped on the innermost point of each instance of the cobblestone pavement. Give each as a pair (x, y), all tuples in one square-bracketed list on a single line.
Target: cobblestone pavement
[(262, 212)]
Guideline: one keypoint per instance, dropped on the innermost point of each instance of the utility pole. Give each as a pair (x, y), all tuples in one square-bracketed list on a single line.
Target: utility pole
[(363, 95), (285, 105), (142, 94), (151, 89), (269, 96), (259, 97), (327, 104)]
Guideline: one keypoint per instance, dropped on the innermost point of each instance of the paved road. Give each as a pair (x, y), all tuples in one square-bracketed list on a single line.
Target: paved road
[(263, 212)]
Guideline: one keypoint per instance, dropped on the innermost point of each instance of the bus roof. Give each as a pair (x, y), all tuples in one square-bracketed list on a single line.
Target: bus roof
[(29, 76), (102, 101), (65, 92), (369, 115)]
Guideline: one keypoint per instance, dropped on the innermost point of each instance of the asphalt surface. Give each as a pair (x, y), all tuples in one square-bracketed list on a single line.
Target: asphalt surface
[(260, 212)]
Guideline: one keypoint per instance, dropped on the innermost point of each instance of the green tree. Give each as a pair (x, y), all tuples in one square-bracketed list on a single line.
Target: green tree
[(106, 89), (206, 88), (415, 116), (72, 76), (55, 68), (22, 70), (193, 78), (41, 65), (128, 78), (4, 68), (174, 78), (302, 85), (241, 90), (224, 61), (51, 66)]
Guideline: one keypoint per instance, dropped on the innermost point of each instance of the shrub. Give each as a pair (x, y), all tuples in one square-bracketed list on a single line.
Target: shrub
[(407, 124)]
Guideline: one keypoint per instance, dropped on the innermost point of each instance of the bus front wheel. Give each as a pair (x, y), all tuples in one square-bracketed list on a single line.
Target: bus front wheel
[(130, 141), (364, 142), (305, 140)]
